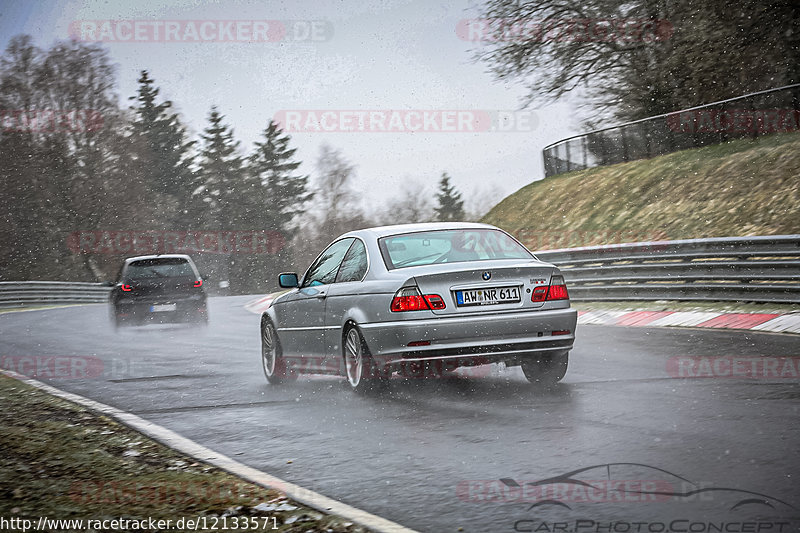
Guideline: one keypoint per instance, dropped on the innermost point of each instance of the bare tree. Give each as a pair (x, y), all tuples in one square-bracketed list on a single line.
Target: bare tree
[(642, 57), (335, 208), (412, 204)]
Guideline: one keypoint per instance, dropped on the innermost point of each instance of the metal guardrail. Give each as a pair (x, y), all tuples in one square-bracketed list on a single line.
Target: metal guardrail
[(751, 115), (32, 293), (732, 269)]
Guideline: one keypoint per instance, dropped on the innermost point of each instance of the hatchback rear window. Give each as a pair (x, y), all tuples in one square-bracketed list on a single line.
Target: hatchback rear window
[(449, 246), (159, 268)]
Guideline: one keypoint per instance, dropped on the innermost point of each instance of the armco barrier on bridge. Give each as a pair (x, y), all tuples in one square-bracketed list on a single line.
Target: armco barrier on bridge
[(730, 269), (28, 293), (740, 269)]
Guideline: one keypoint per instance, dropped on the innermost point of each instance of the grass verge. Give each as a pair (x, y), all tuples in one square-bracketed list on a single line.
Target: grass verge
[(740, 188), (62, 461)]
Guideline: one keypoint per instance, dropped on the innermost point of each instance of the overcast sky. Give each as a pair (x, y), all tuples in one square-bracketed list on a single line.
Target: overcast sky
[(365, 56)]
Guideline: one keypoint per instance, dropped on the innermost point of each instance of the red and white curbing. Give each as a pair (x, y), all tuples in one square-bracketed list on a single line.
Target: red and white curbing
[(772, 322), (259, 305)]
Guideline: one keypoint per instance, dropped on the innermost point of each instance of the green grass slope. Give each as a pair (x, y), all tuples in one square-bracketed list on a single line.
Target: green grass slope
[(744, 187)]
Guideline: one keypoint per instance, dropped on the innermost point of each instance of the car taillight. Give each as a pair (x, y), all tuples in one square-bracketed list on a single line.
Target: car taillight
[(539, 294), (556, 291), (126, 288), (410, 299), (435, 301), (198, 283)]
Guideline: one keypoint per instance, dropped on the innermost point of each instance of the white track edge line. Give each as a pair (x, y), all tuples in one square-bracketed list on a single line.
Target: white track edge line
[(189, 447)]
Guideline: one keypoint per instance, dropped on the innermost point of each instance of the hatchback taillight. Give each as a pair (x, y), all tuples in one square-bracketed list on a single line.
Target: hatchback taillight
[(410, 299), (198, 283), (126, 288)]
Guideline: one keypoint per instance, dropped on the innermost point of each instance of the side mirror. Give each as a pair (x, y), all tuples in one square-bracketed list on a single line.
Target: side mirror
[(288, 280)]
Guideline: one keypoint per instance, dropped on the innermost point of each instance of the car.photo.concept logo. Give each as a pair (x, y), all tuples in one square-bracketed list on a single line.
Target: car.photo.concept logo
[(614, 483)]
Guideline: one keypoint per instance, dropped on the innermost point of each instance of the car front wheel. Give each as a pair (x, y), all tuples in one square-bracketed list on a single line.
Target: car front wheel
[(546, 369), (272, 361)]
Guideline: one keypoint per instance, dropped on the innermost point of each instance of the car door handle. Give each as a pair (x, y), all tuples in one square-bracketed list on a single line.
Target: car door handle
[(321, 294)]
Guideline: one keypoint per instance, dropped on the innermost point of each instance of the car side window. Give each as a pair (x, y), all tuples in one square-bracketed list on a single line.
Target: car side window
[(324, 269), (354, 265)]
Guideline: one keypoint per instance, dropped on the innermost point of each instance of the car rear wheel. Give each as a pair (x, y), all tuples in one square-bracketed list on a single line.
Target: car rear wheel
[(201, 317), (117, 320), (546, 369), (361, 372), (275, 368), (433, 369)]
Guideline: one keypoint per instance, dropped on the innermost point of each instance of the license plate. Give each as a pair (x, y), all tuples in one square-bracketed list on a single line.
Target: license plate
[(163, 307), (491, 296)]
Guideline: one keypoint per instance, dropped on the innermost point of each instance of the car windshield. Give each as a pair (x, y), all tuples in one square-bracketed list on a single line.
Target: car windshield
[(159, 268), (449, 246)]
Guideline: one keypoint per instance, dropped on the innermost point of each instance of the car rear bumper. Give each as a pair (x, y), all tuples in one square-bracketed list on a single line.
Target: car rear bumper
[(470, 340), (142, 309)]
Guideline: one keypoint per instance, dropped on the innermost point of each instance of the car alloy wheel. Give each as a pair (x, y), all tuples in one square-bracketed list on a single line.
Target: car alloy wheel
[(274, 366), (362, 374), (354, 358)]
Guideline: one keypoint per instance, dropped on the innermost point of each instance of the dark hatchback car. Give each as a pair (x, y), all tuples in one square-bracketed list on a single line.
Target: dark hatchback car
[(158, 288)]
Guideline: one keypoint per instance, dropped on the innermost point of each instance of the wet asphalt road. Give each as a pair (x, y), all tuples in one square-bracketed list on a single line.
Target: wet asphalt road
[(430, 454)]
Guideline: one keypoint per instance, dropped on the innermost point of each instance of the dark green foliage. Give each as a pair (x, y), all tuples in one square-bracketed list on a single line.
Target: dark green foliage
[(451, 206)]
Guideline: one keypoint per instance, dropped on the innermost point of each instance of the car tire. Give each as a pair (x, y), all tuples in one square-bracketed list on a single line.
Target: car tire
[(547, 369), (360, 370), (432, 370), (117, 321), (200, 317), (272, 362)]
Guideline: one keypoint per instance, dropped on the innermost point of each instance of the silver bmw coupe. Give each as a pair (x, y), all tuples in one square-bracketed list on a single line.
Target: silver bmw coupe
[(421, 300)]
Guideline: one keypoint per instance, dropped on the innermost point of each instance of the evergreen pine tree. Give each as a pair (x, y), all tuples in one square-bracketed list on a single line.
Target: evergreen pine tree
[(451, 206), (281, 195), (221, 184), (163, 154)]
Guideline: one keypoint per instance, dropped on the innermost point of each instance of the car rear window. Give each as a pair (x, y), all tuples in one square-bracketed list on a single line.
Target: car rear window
[(449, 246), (159, 268)]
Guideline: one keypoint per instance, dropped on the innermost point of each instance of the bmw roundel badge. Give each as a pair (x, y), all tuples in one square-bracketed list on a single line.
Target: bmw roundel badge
[(487, 276)]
